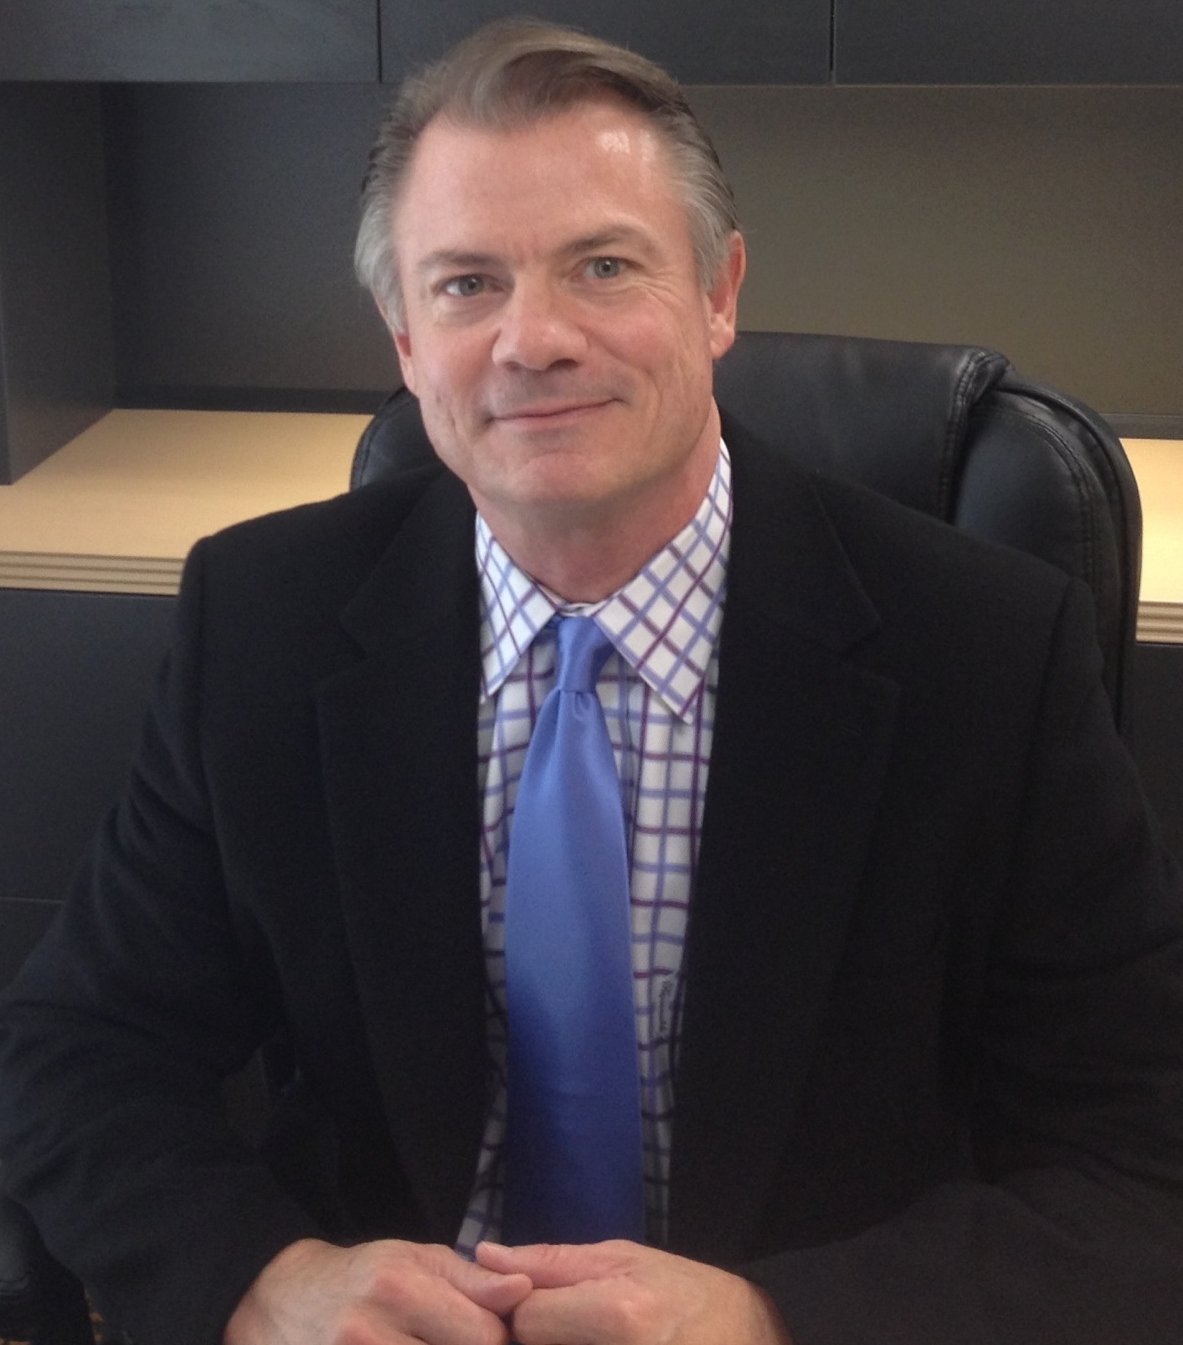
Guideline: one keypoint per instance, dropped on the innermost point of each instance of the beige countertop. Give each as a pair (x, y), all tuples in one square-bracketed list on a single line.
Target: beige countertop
[(1158, 465), (117, 509)]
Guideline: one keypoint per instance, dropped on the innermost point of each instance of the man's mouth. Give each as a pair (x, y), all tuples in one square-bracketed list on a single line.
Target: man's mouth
[(550, 413)]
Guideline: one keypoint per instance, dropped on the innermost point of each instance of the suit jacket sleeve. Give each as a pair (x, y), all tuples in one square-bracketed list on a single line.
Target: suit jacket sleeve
[(1075, 1232), (115, 1040)]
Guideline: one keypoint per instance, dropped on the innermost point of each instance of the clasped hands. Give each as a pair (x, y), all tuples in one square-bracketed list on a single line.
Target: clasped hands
[(404, 1293)]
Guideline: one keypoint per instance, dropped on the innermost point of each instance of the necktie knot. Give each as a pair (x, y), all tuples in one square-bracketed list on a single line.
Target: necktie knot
[(583, 651)]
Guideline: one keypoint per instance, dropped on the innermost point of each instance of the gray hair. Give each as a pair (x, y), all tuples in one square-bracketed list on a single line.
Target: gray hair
[(517, 71)]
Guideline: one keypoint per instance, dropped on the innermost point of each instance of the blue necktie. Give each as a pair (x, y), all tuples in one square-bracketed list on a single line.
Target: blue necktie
[(573, 1130)]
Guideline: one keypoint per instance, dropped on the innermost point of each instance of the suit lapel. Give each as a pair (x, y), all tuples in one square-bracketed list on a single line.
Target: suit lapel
[(398, 742), (801, 740), (802, 735)]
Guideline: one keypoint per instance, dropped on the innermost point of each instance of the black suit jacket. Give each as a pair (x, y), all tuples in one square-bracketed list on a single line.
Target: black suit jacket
[(930, 1083)]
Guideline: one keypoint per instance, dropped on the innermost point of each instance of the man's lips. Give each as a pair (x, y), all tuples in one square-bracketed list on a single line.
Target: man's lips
[(542, 414)]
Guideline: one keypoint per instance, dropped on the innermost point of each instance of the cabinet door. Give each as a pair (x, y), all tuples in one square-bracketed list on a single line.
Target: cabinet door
[(189, 39), (76, 677), (698, 41), (1155, 735), (1008, 42)]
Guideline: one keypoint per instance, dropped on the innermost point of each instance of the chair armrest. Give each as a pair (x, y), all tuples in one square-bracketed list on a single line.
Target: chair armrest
[(39, 1299)]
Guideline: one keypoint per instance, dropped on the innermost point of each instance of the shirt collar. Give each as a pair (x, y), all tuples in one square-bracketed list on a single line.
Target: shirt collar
[(664, 622)]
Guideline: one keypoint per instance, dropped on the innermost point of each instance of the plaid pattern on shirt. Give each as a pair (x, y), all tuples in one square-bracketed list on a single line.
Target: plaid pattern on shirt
[(657, 689)]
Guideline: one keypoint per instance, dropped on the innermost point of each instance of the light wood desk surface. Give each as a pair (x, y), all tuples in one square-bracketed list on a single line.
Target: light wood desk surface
[(1158, 465), (117, 509)]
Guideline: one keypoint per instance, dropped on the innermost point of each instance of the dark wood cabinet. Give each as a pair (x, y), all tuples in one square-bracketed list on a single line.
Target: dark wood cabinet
[(698, 41), (75, 680), (189, 40), (1155, 737), (1008, 42)]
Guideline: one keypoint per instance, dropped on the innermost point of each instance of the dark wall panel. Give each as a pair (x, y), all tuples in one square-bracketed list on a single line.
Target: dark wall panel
[(233, 212), (1043, 222), (189, 39), (1040, 221), (1008, 42), (56, 362), (698, 41)]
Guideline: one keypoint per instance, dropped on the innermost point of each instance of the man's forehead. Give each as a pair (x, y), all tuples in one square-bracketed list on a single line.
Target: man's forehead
[(597, 166), (609, 122)]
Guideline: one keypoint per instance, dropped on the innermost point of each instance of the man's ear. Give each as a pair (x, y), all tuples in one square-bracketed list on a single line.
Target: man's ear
[(402, 346), (723, 297)]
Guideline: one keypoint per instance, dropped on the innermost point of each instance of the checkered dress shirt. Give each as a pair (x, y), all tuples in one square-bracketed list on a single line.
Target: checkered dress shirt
[(657, 689)]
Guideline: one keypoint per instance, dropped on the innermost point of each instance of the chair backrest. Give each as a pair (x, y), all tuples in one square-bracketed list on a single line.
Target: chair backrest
[(953, 431)]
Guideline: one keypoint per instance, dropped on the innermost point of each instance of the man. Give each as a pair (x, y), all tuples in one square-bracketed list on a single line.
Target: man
[(918, 1073)]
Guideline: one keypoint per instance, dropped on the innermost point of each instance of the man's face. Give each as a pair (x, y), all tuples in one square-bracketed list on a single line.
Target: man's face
[(556, 331)]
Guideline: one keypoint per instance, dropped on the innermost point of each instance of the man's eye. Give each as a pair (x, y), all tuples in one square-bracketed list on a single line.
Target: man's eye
[(465, 287), (605, 268)]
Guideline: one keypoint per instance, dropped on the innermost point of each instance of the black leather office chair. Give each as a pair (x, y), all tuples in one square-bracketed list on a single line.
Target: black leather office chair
[(40, 1301), (953, 431)]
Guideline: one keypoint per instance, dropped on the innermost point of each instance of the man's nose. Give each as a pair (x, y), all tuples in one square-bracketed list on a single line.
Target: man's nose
[(539, 328)]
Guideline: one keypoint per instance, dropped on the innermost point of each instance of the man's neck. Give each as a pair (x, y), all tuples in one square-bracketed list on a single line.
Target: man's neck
[(585, 555)]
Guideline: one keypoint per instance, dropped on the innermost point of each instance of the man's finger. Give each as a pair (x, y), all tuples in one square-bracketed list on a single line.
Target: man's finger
[(491, 1288), (554, 1265), (593, 1312), (388, 1291), (620, 1293)]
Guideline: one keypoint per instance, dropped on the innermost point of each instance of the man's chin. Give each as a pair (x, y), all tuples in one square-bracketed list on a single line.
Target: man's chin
[(549, 499)]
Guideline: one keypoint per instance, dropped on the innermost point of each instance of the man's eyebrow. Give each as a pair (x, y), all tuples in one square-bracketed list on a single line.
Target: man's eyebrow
[(455, 259), (452, 260), (609, 238)]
